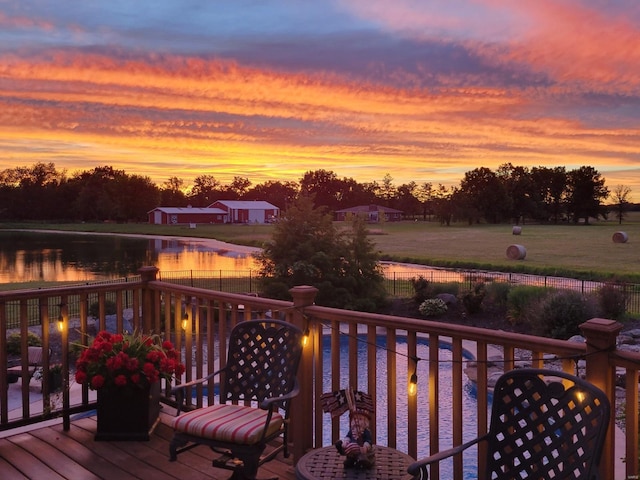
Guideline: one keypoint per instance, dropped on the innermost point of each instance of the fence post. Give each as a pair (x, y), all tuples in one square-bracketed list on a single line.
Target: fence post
[(302, 407), (601, 337), (147, 274)]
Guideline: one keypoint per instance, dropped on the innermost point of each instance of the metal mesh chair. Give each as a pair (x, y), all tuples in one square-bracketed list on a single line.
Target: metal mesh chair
[(256, 387), (544, 424)]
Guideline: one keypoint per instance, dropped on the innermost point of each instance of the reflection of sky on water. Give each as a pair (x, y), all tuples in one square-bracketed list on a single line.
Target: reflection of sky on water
[(48, 257), (180, 255)]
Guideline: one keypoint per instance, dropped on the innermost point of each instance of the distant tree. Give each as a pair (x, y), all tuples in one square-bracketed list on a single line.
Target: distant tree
[(407, 201), (205, 191), (387, 190), (426, 196), (32, 192), (237, 189), (135, 195), (351, 193), (108, 194), (443, 204), (518, 186), (585, 193), (306, 249), (324, 187), (549, 192), (483, 191), (172, 193), (621, 203), (278, 193), (96, 200)]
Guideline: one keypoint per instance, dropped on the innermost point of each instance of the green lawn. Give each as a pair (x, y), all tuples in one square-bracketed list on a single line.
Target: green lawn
[(584, 251)]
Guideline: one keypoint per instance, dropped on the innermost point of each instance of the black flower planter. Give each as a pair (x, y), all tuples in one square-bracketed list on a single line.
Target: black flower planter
[(55, 381), (127, 413)]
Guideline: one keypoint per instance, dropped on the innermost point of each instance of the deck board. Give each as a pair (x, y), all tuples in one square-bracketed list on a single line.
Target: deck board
[(50, 452)]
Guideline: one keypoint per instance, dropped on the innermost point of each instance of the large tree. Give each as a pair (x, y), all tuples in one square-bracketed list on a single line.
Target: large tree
[(518, 186), (481, 188), (307, 249), (585, 193), (549, 192)]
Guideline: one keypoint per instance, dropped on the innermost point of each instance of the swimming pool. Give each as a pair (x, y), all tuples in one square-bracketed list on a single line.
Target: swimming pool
[(445, 400)]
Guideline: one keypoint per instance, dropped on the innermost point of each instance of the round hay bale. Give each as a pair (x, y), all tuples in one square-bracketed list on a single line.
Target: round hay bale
[(516, 252), (517, 230), (620, 237)]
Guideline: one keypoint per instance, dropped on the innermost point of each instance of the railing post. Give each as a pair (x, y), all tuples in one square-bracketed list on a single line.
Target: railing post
[(302, 407), (147, 274), (601, 336)]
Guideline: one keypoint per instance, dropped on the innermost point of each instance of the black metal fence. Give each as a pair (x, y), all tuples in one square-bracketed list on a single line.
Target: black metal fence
[(398, 284)]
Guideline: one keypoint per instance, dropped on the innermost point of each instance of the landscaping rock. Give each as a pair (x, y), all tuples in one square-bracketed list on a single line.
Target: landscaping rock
[(447, 298)]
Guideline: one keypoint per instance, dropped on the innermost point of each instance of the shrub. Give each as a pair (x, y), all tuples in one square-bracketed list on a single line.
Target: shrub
[(612, 300), (559, 314), (420, 289), (498, 293), (520, 298), (433, 307), (14, 342), (472, 299), (109, 308)]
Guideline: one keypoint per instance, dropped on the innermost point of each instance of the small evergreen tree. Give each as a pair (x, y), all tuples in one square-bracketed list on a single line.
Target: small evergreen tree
[(307, 249)]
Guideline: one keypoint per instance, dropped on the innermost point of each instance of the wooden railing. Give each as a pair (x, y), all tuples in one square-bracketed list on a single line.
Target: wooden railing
[(379, 354)]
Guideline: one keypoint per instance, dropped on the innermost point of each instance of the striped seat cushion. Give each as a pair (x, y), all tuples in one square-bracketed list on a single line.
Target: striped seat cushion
[(228, 423)]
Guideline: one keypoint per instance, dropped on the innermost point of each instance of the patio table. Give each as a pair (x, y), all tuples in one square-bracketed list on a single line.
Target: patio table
[(327, 463)]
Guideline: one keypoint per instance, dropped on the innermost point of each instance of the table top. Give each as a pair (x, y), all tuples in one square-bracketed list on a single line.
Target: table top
[(327, 463)]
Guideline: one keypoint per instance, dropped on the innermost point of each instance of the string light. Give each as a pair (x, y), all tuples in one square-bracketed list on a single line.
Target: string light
[(413, 381), (60, 319), (305, 337), (185, 319)]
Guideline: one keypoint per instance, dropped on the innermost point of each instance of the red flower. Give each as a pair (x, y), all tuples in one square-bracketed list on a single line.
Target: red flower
[(117, 360), (97, 381), (81, 376)]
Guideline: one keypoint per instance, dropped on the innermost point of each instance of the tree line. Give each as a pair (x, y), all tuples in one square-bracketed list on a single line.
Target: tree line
[(509, 194)]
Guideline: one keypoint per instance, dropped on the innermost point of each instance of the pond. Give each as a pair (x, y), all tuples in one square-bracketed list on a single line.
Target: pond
[(75, 257)]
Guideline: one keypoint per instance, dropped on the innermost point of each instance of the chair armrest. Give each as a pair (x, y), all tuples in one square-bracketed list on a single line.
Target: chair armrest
[(180, 390), (420, 465), (267, 403)]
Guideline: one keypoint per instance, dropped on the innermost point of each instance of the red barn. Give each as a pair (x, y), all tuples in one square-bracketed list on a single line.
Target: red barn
[(186, 215), (247, 211)]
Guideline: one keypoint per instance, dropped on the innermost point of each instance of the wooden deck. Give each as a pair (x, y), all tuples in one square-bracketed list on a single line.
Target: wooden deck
[(51, 453)]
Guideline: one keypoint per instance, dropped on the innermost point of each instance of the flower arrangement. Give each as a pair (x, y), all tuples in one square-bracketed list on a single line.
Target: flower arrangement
[(120, 360)]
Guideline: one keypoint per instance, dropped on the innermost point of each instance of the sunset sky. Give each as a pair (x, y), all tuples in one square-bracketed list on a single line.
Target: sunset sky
[(424, 90)]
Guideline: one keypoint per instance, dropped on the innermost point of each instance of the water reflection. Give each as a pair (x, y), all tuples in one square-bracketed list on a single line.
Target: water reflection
[(73, 257)]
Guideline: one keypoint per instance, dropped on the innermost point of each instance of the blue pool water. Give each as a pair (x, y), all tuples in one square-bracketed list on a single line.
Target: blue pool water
[(445, 400)]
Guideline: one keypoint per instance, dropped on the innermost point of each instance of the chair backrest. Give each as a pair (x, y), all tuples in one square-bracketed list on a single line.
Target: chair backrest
[(546, 424), (262, 360)]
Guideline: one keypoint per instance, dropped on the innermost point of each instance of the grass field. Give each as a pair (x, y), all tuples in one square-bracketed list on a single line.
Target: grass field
[(580, 251)]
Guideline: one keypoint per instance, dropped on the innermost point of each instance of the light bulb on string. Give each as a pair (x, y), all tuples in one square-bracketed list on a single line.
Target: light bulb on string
[(413, 380)]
